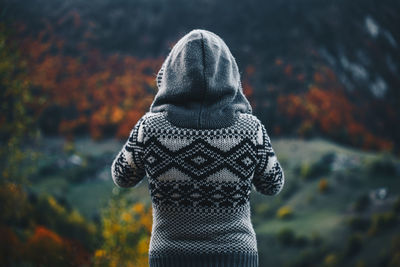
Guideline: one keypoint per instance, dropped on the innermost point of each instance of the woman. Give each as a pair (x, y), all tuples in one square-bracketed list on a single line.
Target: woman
[(202, 151)]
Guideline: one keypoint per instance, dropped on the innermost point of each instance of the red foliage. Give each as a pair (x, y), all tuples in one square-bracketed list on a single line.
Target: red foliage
[(288, 69), (102, 92), (43, 247), (113, 90), (10, 246), (326, 107), (47, 247), (246, 84)]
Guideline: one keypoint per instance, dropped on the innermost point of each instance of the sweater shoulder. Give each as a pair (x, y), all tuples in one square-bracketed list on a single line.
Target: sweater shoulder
[(157, 120), (248, 121), (245, 122)]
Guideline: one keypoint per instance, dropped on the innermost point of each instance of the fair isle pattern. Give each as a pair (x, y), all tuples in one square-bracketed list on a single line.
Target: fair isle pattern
[(127, 168), (199, 159), (269, 176), (189, 194), (175, 232), (200, 182)]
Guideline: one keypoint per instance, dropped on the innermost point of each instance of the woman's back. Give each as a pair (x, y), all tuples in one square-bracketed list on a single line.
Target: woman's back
[(202, 151), (200, 183)]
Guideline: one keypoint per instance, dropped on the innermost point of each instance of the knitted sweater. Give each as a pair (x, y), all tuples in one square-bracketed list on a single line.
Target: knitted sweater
[(200, 179)]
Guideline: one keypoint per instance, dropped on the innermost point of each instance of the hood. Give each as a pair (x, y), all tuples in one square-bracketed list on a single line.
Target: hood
[(199, 83)]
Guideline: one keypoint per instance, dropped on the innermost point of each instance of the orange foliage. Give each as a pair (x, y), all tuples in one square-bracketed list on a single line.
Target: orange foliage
[(288, 69), (250, 70), (103, 91), (318, 77), (323, 185), (113, 90), (246, 84), (247, 88), (326, 106), (47, 247), (278, 62), (43, 235), (277, 130), (10, 246), (301, 77), (121, 223)]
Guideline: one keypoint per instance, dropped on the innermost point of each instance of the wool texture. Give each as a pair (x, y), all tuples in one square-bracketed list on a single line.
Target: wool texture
[(199, 83), (202, 159)]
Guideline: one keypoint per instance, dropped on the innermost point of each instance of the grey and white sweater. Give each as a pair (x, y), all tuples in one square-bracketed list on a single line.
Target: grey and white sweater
[(200, 170)]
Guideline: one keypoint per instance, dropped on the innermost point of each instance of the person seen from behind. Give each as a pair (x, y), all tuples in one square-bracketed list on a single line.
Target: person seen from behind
[(203, 152)]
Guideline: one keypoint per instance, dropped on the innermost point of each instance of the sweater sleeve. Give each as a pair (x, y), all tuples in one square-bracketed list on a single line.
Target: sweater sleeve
[(268, 176), (127, 169)]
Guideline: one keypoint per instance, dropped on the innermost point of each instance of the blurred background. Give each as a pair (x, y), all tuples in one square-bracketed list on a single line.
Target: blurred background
[(323, 76)]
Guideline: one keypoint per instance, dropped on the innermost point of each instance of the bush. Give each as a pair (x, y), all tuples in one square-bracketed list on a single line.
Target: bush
[(354, 245), (316, 239), (262, 208), (309, 257), (395, 251), (312, 170), (396, 205), (362, 203), (305, 170), (310, 198), (382, 221), (301, 241), (290, 189), (359, 224), (331, 260), (361, 263), (284, 212), (383, 165), (126, 229), (323, 185), (50, 213), (286, 236)]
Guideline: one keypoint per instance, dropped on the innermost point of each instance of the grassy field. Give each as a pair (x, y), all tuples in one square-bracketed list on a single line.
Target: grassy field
[(327, 186)]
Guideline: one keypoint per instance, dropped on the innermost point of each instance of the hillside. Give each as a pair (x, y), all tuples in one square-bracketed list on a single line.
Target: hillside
[(310, 67), (330, 197)]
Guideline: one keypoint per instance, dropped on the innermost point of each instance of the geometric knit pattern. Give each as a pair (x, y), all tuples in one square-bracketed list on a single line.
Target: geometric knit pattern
[(200, 182)]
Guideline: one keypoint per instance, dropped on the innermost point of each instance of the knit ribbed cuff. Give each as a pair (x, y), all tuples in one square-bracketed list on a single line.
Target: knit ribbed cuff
[(206, 260)]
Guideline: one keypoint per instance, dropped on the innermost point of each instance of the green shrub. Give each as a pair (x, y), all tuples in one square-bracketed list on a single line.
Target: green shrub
[(359, 224), (262, 208), (323, 185), (286, 236), (395, 251), (309, 257), (384, 165), (49, 212), (284, 212), (382, 221), (309, 170), (396, 205), (290, 189), (361, 263), (310, 198), (354, 245), (362, 203), (316, 239), (331, 260), (305, 170), (301, 241)]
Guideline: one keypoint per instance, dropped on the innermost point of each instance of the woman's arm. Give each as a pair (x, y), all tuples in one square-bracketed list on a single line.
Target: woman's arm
[(127, 169), (268, 176)]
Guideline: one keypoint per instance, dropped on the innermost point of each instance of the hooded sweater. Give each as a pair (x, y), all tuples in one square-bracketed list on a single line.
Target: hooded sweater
[(203, 152)]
